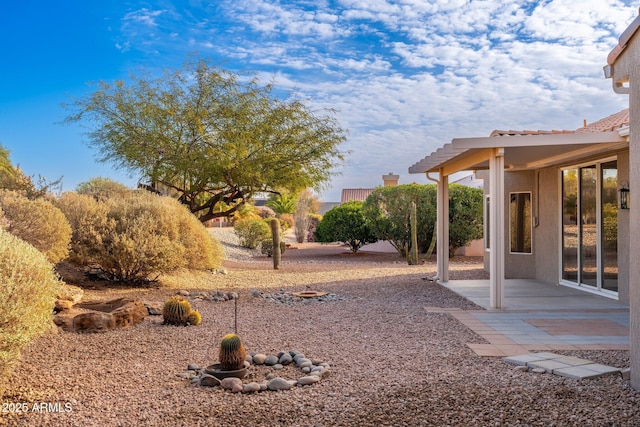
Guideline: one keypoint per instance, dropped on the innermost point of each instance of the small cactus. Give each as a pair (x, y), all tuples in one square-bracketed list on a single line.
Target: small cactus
[(176, 311), (232, 353), (194, 318)]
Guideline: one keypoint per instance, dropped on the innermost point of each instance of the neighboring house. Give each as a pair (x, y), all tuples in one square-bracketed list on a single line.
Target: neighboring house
[(361, 194), (623, 67)]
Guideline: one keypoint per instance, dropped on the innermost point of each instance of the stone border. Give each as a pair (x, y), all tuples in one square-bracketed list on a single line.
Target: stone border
[(313, 371)]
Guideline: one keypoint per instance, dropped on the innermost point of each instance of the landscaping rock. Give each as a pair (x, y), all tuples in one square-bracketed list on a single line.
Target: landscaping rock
[(251, 387), (278, 384), (271, 360), (207, 380), (232, 384), (285, 359), (259, 358), (93, 322), (312, 379)]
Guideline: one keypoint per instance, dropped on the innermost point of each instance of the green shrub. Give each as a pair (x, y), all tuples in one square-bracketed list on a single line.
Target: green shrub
[(345, 223), (133, 236), (27, 290), (251, 231), (266, 247), (37, 222)]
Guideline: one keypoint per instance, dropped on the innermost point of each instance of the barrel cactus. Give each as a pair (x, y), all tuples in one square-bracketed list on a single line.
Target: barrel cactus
[(194, 318), (232, 353), (176, 311)]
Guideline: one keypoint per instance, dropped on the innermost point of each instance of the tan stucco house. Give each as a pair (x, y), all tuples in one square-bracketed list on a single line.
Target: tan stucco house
[(623, 67), (559, 205)]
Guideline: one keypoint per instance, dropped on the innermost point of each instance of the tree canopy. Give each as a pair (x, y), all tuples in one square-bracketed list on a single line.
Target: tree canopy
[(346, 223), (208, 136)]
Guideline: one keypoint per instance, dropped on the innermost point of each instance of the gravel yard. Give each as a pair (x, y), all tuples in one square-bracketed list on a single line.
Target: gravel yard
[(392, 362)]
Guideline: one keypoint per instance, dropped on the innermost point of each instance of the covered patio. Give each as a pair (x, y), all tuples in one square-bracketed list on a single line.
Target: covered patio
[(540, 317)]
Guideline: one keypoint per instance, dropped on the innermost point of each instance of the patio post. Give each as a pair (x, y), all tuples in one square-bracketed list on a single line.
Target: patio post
[(496, 229), (442, 224)]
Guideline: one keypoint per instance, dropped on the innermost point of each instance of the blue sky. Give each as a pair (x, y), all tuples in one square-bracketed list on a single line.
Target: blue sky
[(406, 76)]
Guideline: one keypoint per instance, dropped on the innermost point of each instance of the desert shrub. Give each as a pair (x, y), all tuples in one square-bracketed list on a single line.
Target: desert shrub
[(286, 221), (245, 211), (346, 223), (251, 231), (314, 220), (133, 236), (102, 188), (266, 247), (37, 222), (465, 216), (27, 290)]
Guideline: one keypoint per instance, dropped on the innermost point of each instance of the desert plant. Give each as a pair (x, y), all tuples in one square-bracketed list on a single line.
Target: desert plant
[(251, 231), (131, 237), (275, 234), (102, 188), (232, 353), (37, 222), (347, 224), (27, 293), (266, 247), (413, 220), (195, 318), (176, 311), (286, 221)]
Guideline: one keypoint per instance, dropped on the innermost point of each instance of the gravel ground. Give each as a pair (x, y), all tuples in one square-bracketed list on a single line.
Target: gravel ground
[(392, 362)]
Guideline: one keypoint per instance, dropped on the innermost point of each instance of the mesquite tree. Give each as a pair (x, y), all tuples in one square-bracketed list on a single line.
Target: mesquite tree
[(210, 137)]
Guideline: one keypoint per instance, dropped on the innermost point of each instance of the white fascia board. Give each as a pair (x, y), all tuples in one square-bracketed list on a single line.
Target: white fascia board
[(538, 140)]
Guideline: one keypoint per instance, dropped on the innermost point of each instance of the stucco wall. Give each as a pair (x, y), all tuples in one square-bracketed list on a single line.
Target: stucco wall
[(628, 64), (547, 233), (623, 234), (519, 266)]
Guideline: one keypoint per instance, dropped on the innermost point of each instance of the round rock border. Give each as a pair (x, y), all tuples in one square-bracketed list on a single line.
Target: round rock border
[(312, 370)]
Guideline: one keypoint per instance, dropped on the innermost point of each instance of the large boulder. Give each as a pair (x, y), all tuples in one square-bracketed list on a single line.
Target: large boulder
[(126, 312), (101, 316), (93, 321)]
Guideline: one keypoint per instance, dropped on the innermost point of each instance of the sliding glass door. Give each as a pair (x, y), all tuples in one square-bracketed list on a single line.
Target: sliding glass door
[(590, 225)]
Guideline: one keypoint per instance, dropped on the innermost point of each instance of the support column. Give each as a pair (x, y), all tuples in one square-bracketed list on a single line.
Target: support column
[(496, 229), (634, 218), (442, 224)]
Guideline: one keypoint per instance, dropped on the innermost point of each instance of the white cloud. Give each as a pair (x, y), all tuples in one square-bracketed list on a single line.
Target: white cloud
[(407, 76)]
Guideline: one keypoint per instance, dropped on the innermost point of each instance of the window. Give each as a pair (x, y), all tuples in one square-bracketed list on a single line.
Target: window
[(520, 222)]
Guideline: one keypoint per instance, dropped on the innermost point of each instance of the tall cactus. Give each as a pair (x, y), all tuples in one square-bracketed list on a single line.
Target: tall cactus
[(413, 219), (232, 353), (275, 233)]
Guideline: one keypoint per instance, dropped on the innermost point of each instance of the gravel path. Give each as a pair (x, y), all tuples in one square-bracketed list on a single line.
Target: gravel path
[(393, 363)]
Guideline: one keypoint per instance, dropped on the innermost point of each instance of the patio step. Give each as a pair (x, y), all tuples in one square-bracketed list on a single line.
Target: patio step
[(565, 366)]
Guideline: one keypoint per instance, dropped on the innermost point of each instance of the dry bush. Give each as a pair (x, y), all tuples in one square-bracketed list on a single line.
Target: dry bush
[(251, 231), (37, 222), (27, 291), (134, 236)]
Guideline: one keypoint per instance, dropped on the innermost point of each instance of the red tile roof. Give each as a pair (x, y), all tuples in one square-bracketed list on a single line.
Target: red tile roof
[(355, 194), (610, 123)]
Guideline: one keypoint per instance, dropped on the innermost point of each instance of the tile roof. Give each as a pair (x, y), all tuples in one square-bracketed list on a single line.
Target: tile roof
[(527, 132), (610, 123), (355, 194)]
